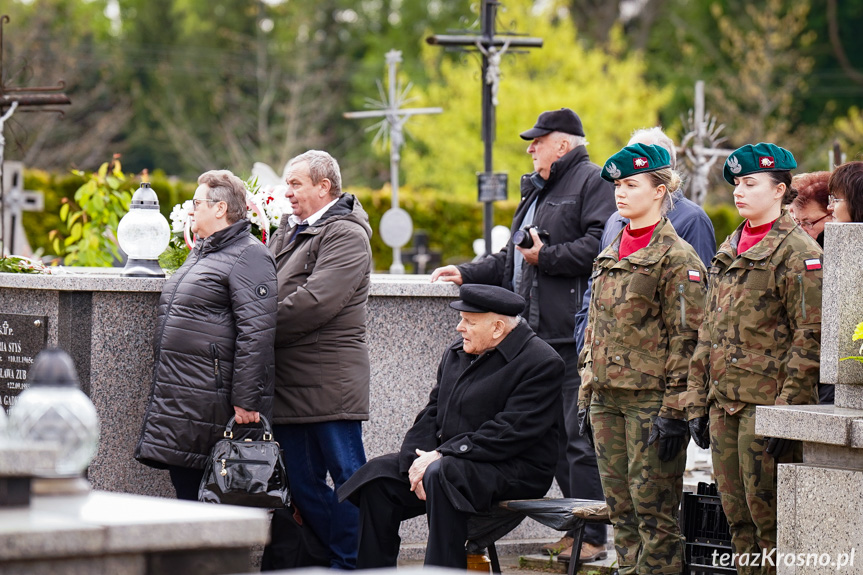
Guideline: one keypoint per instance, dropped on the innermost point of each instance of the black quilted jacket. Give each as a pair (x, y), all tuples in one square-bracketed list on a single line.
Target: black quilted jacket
[(213, 347)]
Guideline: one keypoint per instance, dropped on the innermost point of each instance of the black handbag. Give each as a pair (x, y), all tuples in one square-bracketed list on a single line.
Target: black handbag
[(246, 472)]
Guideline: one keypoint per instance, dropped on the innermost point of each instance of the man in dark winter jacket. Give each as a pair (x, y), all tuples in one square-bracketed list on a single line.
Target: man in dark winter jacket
[(214, 337), (323, 261), (566, 198), (488, 433)]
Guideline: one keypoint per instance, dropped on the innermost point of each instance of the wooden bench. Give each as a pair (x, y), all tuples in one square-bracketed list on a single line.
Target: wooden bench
[(484, 530)]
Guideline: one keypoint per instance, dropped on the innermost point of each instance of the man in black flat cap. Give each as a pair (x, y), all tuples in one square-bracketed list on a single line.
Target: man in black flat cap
[(488, 433), (566, 197)]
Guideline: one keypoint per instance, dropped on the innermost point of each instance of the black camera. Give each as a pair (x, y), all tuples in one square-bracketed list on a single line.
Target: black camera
[(523, 239)]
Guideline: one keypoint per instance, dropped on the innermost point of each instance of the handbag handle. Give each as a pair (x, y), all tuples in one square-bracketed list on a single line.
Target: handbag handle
[(229, 428)]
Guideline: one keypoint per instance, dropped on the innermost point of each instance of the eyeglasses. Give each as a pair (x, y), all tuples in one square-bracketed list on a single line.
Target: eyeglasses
[(196, 203), (831, 199), (809, 225)]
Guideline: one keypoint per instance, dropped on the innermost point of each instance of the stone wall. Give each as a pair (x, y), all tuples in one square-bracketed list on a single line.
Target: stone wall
[(107, 323)]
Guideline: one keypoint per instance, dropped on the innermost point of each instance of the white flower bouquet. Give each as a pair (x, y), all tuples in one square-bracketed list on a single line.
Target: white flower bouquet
[(265, 207)]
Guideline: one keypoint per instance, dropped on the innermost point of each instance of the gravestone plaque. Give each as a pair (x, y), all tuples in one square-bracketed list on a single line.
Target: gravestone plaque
[(21, 338)]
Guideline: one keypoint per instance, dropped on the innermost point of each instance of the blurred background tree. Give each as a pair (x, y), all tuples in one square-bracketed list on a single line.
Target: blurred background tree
[(182, 86)]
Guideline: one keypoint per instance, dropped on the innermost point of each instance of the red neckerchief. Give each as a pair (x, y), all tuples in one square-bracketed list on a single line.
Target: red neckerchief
[(751, 236), (634, 240)]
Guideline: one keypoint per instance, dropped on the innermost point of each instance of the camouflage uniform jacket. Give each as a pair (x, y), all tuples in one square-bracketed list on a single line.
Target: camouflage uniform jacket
[(760, 342), (643, 321)]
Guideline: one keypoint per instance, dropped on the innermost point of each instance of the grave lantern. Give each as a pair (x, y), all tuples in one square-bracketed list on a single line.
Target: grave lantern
[(143, 234), (53, 409)]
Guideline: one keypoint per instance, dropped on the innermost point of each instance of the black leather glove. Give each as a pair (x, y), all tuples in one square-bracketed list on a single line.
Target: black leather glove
[(778, 446), (584, 428), (671, 434), (699, 429)]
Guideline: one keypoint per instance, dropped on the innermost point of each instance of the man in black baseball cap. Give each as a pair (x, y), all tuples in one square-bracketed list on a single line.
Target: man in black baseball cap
[(488, 433), (566, 198), (563, 120)]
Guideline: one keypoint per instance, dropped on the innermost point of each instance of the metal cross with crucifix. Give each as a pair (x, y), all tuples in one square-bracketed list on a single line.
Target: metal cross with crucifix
[(701, 146), (492, 46), (396, 227), (10, 100)]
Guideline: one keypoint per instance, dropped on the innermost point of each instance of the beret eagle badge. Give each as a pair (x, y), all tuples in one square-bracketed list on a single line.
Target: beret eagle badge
[(734, 165)]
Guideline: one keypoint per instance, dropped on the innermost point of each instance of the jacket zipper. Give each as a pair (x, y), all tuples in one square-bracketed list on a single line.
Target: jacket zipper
[(214, 349), (802, 296), (682, 307)]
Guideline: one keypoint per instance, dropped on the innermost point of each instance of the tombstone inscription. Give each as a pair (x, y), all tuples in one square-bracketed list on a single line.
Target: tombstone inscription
[(21, 338)]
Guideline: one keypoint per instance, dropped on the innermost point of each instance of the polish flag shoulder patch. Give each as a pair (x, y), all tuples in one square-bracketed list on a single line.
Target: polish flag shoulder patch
[(813, 264), (694, 276)]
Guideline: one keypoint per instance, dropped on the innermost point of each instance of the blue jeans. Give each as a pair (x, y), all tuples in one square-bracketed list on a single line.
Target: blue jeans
[(312, 450)]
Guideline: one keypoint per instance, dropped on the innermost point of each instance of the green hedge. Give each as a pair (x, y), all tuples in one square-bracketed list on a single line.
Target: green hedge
[(725, 220), (55, 187), (452, 224)]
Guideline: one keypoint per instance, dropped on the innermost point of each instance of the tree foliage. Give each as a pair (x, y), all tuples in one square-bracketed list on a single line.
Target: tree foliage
[(63, 43), (605, 87), (188, 85)]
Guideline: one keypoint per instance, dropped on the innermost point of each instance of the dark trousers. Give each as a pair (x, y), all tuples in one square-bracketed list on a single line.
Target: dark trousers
[(577, 473), (312, 450), (186, 481), (386, 502)]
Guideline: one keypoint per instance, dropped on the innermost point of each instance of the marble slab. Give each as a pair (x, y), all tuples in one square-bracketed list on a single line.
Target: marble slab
[(25, 458), (816, 423), (842, 304), (819, 514), (111, 523)]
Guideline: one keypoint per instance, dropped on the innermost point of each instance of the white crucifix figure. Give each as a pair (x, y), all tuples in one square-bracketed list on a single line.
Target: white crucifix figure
[(396, 226), (492, 71)]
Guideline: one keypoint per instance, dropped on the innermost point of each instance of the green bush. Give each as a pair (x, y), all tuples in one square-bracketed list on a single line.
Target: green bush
[(725, 220), (58, 189), (452, 224)]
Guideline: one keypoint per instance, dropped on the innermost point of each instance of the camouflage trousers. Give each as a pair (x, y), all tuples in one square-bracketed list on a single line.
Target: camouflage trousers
[(746, 478), (642, 492)]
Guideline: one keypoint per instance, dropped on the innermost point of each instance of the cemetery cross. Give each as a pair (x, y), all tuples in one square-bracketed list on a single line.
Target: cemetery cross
[(492, 46)]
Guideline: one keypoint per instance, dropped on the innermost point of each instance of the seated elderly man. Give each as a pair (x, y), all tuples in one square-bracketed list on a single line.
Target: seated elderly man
[(488, 433)]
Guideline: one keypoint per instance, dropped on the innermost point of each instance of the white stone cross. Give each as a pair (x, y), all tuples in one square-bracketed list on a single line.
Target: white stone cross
[(15, 201), (391, 127), (703, 131)]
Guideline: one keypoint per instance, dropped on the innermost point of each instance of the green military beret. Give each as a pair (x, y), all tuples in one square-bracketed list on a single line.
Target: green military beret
[(635, 159), (761, 157)]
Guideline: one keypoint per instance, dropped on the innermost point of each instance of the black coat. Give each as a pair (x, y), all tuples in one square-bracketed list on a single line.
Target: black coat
[(573, 207), (493, 417), (213, 348)]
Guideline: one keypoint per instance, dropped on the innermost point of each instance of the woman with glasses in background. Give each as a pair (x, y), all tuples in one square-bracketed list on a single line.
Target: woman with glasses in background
[(809, 208), (845, 193)]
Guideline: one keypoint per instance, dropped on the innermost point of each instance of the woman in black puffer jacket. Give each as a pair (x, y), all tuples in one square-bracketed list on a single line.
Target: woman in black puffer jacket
[(214, 338)]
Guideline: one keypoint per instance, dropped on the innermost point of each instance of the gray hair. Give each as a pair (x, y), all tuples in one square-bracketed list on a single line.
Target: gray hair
[(574, 141), (655, 137), (226, 187), (322, 166)]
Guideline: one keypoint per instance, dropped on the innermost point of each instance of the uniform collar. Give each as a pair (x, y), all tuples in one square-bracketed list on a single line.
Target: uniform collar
[(661, 240), (763, 249)]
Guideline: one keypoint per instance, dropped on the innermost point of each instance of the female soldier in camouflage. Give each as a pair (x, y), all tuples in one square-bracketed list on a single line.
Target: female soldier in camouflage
[(647, 304), (759, 345)]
